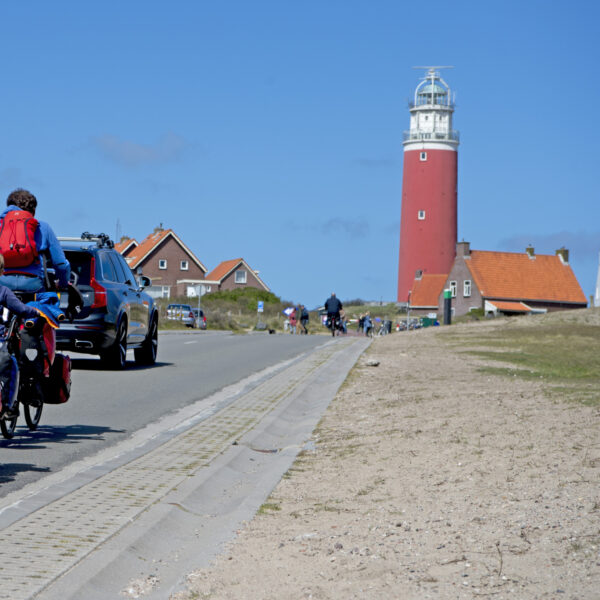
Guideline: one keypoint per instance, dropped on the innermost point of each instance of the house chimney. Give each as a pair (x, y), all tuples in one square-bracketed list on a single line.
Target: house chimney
[(530, 251), (158, 229), (463, 249), (563, 254)]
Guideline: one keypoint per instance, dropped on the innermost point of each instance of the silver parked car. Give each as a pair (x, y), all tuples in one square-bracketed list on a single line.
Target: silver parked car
[(183, 313)]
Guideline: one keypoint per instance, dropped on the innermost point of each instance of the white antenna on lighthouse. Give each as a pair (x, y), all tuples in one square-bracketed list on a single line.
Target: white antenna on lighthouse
[(597, 294)]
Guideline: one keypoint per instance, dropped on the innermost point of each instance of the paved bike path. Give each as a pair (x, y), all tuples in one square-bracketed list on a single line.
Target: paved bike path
[(138, 518)]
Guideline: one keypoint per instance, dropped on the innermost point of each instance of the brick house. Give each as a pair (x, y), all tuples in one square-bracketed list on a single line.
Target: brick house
[(511, 282), (425, 293), (234, 274), (170, 264)]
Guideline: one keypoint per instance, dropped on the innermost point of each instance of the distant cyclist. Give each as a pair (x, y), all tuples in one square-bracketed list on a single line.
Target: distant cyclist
[(333, 307)]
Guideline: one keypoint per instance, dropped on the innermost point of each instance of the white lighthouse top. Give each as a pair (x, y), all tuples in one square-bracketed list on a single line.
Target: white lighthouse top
[(433, 90), (431, 114)]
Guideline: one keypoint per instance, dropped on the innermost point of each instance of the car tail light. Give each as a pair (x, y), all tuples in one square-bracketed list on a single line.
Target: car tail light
[(99, 290), (191, 315)]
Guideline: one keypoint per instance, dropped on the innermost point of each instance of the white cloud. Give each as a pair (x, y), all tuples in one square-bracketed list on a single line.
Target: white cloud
[(168, 148)]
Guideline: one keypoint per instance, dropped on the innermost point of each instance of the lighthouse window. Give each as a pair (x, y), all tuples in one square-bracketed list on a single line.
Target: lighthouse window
[(423, 156), (421, 215)]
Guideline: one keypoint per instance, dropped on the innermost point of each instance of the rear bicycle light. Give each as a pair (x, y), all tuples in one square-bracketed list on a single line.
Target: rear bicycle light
[(99, 290)]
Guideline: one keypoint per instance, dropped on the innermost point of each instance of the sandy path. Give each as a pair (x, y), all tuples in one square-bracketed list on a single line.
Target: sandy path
[(428, 480)]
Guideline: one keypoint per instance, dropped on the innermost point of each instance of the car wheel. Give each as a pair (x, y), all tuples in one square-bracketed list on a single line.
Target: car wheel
[(146, 354), (115, 357)]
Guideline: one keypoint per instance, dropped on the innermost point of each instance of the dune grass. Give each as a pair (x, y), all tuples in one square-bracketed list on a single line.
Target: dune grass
[(564, 356)]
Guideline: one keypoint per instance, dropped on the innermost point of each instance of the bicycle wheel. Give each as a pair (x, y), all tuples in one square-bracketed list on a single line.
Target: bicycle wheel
[(8, 427), (32, 415)]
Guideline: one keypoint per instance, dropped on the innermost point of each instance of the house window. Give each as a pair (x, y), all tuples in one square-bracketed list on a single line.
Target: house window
[(423, 156), (467, 288), (162, 263), (158, 291), (453, 289), (184, 265), (421, 215), (240, 276)]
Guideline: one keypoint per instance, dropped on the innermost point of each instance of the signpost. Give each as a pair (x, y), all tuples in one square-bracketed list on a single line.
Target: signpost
[(200, 291), (447, 307)]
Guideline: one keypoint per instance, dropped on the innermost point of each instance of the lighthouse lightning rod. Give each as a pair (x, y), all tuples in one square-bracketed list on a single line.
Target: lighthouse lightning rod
[(436, 67)]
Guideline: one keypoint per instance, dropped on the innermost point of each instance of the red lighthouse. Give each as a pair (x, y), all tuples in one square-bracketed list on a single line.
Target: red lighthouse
[(429, 208)]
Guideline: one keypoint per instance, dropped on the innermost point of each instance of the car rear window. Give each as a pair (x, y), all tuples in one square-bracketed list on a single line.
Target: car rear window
[(108, 270), (80, 264)]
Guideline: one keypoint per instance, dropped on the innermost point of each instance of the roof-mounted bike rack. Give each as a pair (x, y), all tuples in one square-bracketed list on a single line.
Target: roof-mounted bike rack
[(101, 239)]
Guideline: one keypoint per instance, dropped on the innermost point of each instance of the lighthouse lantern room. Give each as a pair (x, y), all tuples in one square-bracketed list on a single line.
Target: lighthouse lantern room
[(429, 205)]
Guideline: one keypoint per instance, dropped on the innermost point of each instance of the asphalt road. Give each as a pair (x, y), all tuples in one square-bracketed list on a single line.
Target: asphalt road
[(109, 406)]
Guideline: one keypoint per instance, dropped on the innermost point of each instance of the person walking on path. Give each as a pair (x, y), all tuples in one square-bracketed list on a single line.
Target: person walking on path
[(368, 325), (303, 319), (293, 321)]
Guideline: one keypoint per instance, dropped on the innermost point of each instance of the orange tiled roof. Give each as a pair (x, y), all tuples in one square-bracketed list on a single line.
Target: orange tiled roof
[(426, 291), (517, 276), (152, 241), (146, 245), (510, 306), (222, 269), (124, 244), (227, 266)]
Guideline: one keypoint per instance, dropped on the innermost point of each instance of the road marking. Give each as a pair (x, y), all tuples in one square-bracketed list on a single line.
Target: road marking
[(190, 342)]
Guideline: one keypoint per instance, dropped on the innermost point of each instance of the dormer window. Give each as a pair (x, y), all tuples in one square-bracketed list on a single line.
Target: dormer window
[(162, 263)]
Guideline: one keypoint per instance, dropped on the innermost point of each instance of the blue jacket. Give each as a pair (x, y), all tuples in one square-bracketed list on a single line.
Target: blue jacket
[(45, 240), (333, 305)]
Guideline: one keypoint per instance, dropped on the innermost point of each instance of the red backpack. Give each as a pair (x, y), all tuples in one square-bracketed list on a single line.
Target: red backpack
[(17, 242)]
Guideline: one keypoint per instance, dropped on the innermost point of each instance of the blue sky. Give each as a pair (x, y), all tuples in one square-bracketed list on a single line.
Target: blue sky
[(272, 130)]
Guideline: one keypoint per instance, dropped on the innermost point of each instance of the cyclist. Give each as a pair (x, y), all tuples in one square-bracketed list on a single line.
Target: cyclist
[(333, 306), (8, 367), (26, 273), (32, 278)]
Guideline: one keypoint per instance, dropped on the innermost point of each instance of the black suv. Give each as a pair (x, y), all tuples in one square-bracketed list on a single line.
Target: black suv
[(117, 314)]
